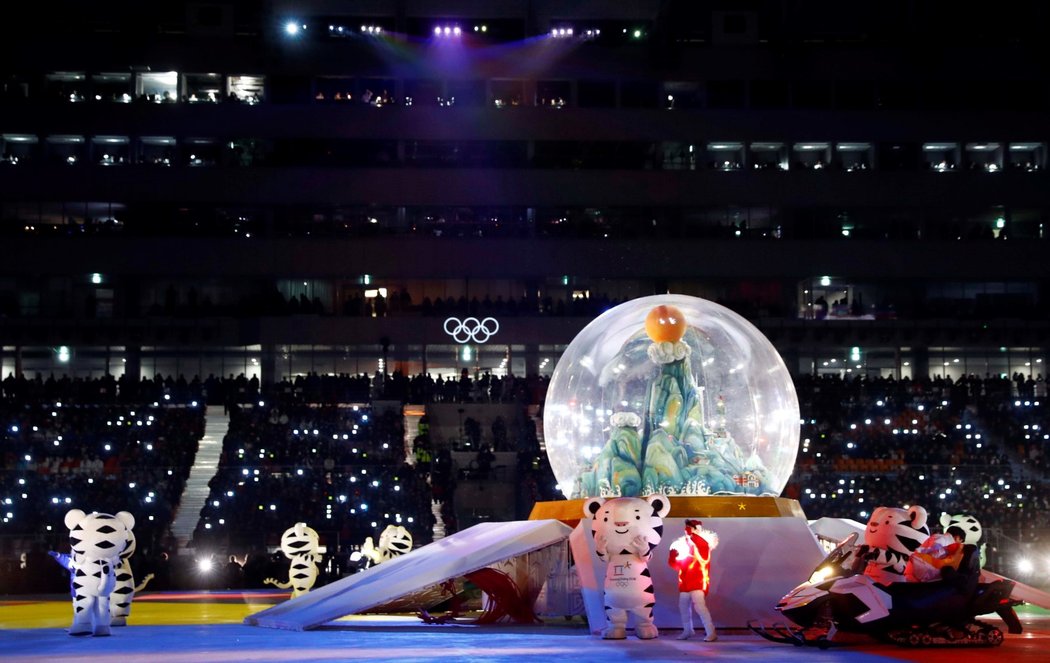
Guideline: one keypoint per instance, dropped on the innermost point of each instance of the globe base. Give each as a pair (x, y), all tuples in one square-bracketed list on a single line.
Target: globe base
[(570, 512)]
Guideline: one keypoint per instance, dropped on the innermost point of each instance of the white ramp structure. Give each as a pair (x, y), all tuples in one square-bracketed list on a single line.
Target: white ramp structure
[(478, 547)]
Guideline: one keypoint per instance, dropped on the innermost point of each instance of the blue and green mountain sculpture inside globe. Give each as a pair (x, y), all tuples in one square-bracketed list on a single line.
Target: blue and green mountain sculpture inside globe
[(662, 431)]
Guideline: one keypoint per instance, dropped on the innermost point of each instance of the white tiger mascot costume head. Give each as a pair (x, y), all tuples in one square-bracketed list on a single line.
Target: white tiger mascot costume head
[(97, 540), (971, 526), (891, 537), (625, 531), (125, 591), (300, 544), (393, 542)]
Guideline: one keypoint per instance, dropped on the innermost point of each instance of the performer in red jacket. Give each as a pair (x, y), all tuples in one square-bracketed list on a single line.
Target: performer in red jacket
[(691, 557)]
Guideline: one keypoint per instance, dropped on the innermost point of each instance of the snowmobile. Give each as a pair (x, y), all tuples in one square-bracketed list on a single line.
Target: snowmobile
[(838, 597)]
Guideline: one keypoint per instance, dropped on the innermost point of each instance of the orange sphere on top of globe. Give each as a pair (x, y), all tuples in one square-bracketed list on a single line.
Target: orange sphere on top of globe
[(665, 323)]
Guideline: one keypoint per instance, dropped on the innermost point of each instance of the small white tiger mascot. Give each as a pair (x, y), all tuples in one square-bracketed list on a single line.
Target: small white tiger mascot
[(393, 542), (300, 544), (125, 591), (96, 540), (891, 537), (625, 531), (971, 526)]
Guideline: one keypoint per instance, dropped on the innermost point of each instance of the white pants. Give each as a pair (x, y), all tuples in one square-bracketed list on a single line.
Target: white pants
[(694, 600)]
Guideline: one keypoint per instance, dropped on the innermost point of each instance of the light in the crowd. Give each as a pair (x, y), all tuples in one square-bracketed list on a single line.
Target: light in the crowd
[(96, 278), (63, 353), (1025, 565), (204, 565), (293, 28)]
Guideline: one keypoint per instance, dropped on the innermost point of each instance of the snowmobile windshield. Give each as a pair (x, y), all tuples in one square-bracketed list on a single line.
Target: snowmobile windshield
[(839, 562)]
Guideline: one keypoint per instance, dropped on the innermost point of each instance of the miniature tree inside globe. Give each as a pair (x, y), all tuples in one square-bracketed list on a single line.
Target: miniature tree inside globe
[(671, 394)]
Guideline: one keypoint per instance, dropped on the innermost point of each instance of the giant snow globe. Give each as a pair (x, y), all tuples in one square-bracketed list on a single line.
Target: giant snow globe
[(671, 394)]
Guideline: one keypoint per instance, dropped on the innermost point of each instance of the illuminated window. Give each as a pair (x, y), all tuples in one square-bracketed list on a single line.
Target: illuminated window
[(110, 150), (247, 89), (768, 156), (157, 87), (111, 87), (67, 86), (811, 156), (725, 156), (203, 88), (941, 157), (18, 148), (1028, 157), (854, 157)]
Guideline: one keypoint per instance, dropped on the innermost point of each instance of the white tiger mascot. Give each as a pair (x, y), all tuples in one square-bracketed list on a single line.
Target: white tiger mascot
[(891, 537), (393, 542), (625, 531), (300, 544), (96, 540), (125, 591), (971, 526)]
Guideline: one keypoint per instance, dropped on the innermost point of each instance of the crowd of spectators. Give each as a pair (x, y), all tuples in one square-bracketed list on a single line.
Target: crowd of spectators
[(109, 458), (340, 469), (105, 390), (190, 303), (905, 422), (950, 445), (482, 387)]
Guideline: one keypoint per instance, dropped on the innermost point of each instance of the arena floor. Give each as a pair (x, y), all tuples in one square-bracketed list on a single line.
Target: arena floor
[(185, 627)]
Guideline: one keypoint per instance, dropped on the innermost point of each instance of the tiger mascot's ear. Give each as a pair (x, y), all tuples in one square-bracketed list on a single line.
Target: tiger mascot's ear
[(918, 516), (74, 516), (661, 505), (127, 519), (946, 519), (591, 506)]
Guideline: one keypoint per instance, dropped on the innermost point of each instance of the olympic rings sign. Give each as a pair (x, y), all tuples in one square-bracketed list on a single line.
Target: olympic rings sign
[(471, 329)]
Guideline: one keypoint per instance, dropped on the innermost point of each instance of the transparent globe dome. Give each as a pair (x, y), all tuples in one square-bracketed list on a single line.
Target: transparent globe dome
[(671, 394)]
